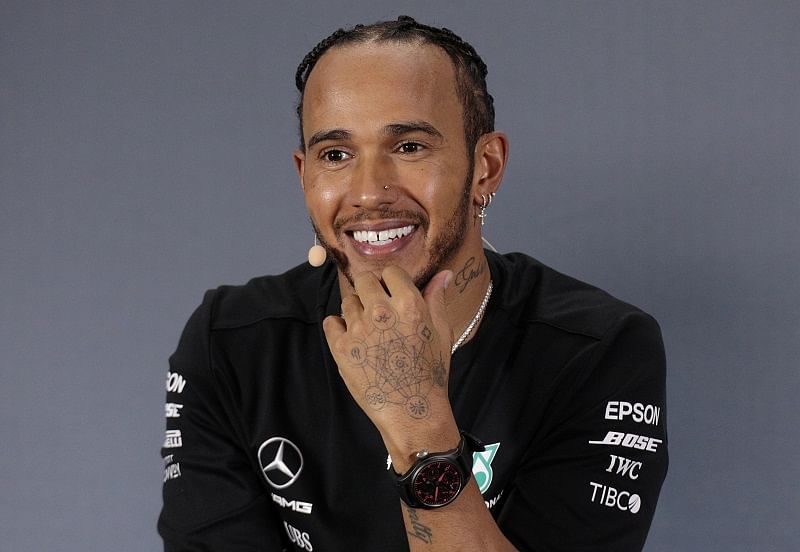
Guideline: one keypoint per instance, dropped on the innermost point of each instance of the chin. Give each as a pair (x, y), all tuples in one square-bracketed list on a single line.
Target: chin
[(420, 275)]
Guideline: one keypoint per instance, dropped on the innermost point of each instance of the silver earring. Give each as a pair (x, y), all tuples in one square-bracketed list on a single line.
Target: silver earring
[(483, 212), (482, 209)]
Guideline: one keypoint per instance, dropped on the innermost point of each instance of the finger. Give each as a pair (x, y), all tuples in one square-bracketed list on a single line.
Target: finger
[(435, 299), (368, 288), (334, 328), (351, 307), (399, 282)]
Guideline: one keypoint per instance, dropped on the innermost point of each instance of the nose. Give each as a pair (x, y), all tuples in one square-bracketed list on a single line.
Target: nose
[(372, 182)]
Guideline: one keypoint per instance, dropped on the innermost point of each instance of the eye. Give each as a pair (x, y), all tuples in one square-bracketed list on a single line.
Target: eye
[(333, 156), (411, 147)]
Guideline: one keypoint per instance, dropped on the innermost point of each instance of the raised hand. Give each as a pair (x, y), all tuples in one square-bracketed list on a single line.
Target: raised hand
[(392, 347)]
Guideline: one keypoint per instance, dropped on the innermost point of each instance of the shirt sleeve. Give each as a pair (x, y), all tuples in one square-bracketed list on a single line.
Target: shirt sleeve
[(212, 498), (591, 481)]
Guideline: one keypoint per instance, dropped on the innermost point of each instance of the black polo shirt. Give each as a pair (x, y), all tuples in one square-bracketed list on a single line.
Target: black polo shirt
[(266, 450)]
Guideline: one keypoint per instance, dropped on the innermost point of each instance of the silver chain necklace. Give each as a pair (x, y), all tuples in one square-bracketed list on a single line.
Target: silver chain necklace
[(475, 320)]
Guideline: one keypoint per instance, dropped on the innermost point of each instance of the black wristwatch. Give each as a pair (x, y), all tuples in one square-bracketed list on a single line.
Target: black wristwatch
[(437, 478)]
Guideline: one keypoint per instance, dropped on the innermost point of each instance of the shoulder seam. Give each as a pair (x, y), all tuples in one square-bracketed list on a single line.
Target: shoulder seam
[(224, 327), (559, 327)]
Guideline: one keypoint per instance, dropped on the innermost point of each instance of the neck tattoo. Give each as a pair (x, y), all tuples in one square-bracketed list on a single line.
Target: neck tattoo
[(475, 320)]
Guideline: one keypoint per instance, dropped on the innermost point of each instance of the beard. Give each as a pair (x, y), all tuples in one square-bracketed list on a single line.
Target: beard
[(440, 251)]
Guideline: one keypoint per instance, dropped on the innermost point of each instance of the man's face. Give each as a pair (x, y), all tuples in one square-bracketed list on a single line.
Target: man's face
[(386, 174)]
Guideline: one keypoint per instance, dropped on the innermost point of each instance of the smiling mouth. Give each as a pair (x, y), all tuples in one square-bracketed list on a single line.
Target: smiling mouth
[(382, 237)]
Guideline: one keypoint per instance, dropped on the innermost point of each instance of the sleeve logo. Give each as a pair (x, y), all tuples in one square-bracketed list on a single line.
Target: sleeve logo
[(629, 440), (614, 498), (173, 438), (624, 466), (172, 469), (175, 382), (638, 412)]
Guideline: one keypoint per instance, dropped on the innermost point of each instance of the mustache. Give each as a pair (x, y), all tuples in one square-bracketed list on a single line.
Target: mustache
[(381, 213)]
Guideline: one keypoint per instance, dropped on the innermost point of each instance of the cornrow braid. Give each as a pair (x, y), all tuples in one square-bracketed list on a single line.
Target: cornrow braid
[(301, 76), (470, 69)]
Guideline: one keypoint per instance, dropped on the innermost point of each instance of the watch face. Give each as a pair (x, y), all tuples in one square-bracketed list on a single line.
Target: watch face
[(437, 483)]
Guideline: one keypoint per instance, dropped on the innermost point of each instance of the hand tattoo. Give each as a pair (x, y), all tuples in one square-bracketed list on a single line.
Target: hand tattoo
[(398, 362)]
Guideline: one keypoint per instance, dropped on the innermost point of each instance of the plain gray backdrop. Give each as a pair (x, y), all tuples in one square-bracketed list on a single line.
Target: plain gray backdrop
[(145, 156)]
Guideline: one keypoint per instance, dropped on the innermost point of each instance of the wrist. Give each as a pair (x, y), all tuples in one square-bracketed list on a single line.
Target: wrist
[(404, 452), (436, 479)]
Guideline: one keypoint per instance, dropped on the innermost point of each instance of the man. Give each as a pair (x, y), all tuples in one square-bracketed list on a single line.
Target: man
[(417, 392)]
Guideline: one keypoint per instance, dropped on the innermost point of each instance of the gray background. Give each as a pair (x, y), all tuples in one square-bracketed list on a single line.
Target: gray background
[(145, 156)]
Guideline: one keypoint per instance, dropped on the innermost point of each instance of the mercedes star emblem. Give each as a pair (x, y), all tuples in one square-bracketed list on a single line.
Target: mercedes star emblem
[(281, 461)]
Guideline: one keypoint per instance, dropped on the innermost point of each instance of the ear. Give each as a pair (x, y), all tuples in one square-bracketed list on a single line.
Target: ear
[(491, 154), (299, 158)]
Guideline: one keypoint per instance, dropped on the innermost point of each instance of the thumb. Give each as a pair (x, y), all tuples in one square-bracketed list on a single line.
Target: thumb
[(435, 299), (334, 327)]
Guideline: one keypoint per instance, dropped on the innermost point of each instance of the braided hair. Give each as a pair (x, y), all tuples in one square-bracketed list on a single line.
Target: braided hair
[(470, 70)]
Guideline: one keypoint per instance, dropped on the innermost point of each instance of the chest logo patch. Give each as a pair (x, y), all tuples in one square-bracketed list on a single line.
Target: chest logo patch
[(281, 461), (482, 466)]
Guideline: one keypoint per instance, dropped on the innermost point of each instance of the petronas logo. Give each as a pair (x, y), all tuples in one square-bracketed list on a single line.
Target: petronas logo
[(482, 466)]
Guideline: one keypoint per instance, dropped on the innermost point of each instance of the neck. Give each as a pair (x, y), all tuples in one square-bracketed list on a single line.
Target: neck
[(466, 292)]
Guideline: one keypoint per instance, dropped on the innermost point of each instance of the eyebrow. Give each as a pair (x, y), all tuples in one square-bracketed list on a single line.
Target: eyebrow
[(397, 129), (333, 134), (394, 129)]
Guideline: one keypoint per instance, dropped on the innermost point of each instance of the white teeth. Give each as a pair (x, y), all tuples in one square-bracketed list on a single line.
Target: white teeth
[(383, 237)]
